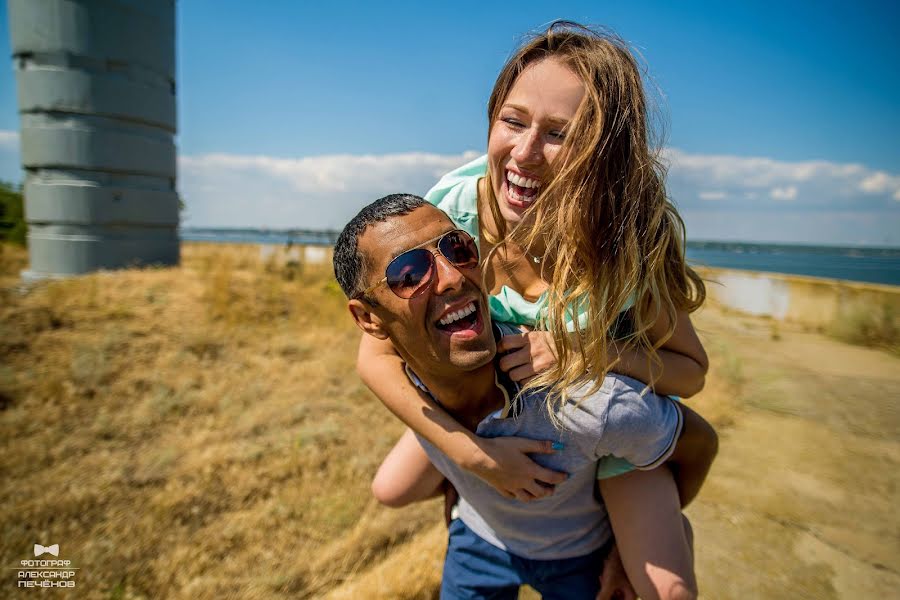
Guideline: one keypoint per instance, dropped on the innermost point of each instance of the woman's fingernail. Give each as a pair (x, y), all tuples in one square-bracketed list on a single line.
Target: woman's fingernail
[(558, 446)]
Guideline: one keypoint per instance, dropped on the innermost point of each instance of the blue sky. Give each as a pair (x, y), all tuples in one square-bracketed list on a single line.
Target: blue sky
[(783, 117)]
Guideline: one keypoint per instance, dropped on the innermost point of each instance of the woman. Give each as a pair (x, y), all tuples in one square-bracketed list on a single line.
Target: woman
[(569, 208)]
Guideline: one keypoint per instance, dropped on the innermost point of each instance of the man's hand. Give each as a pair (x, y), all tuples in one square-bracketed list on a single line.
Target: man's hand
[(504, 463), (530, 353), (614, 584)]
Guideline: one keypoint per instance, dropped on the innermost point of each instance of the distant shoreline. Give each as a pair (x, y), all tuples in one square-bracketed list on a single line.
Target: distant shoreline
[(866, 264), (790, 246), (327, 236)]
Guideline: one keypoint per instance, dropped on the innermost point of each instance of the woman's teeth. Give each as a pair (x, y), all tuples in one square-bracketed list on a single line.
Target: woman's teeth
[(521, 189), (521, 181), (456, 316)]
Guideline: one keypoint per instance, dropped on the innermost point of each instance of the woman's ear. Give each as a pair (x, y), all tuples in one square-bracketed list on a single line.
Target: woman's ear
[(365, 319)]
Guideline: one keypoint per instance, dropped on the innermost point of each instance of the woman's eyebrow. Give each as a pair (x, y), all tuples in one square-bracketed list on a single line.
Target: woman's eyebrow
[(558, 121), (555, 120)]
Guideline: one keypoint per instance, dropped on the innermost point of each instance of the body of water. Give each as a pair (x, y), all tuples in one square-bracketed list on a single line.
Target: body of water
[(259, 236), (873, 265)]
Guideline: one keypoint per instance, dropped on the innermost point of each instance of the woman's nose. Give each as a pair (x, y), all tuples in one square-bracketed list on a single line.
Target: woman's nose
[(528, 148)]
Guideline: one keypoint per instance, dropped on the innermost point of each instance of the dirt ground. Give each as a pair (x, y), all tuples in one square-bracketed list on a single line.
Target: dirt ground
[(802, 500), (199, 433)]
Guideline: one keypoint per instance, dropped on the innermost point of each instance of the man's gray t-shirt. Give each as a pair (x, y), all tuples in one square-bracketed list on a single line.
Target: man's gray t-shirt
[(616, 419)]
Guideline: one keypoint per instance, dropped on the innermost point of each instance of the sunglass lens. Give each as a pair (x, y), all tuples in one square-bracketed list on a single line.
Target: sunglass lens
[(459, 249), (409, 272)]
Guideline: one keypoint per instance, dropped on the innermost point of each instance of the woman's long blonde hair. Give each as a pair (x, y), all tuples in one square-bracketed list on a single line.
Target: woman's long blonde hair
[(609, 230)]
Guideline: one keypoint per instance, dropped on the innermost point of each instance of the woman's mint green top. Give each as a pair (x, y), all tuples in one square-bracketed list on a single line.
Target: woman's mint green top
[(457, 195)]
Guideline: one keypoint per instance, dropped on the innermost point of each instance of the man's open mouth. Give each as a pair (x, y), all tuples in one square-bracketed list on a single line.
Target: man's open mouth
[(465, 318)]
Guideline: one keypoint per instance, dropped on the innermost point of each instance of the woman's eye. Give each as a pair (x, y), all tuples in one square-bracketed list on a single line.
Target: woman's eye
[(513, 122), (557, 135)]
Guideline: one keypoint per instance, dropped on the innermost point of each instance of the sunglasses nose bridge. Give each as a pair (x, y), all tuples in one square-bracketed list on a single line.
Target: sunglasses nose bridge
[(446, 275)]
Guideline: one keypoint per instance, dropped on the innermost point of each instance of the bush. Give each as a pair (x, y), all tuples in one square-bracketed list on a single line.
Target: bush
[(868, 326), (12, 214)]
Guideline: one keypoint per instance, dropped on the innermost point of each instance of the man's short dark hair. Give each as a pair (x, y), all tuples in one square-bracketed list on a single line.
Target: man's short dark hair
[(349, 265)]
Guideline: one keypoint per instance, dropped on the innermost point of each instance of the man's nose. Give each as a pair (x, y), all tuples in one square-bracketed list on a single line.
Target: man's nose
[(447, 276), (528, 148)]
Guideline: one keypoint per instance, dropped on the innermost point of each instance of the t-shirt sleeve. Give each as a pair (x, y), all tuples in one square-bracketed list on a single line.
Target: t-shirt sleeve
[(641, 428), (618, 420), (457, 195)]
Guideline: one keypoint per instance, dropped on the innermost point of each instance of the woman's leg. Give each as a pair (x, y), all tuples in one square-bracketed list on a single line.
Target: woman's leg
[(651, 533), (406, 475)]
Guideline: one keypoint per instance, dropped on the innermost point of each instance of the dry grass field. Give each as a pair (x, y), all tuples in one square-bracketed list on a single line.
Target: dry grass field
[(200, 432)]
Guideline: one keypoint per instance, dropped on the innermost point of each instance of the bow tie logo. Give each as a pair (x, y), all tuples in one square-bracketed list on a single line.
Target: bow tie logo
[(54, 549)]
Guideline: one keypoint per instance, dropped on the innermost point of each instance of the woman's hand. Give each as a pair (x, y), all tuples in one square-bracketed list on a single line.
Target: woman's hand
[(504, 463), (530, 353)]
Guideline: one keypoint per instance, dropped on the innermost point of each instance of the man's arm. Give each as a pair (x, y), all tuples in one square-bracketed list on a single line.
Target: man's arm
[(693, 455)]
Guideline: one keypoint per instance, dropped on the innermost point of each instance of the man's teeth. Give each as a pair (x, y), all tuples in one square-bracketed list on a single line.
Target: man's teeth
[(456, 316), (524, 182)]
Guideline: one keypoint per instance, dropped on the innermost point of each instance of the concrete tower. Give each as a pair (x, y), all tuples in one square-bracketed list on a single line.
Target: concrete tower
[(96, 92)]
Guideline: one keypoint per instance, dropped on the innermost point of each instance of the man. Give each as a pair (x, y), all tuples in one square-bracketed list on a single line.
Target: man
[(414, 279)]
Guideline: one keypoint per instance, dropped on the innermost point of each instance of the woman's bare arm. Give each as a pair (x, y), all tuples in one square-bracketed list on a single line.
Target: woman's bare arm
[(502, 462), (684, 363), (406, 475), (682, 371)]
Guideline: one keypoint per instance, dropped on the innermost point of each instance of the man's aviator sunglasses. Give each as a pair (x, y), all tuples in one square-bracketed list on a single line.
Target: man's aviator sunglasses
[(411, 272)]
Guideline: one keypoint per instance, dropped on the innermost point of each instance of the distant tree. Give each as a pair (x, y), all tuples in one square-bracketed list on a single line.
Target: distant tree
[(13, 227)]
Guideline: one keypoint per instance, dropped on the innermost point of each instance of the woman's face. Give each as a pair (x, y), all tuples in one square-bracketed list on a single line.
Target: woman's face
[(529, 132)]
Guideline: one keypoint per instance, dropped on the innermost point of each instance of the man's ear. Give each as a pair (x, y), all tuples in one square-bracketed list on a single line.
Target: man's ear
[(365, 319)]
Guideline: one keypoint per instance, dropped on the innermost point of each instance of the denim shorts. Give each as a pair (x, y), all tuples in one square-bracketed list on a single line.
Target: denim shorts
[(476, 569)]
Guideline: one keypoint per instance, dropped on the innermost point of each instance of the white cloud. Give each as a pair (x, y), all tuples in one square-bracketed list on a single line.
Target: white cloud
[(788, 192), (710, 190), (757, 171), (314, 192), (765, 199), (830, 227), (9, 140), (709, 195), (10, 167), (720, 197), (762, 182), (881, 183), (876, 182)]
